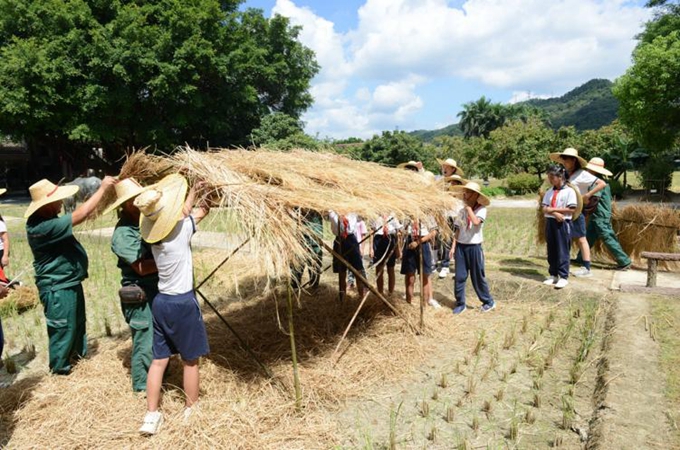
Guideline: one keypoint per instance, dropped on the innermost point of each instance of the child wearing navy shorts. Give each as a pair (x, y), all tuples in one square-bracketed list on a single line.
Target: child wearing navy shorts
[(419, 234), (385, 250), (168, 224), (558, 206), (347, 246)]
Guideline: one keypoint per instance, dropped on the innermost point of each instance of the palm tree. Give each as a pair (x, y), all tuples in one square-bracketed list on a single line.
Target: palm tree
[(481, 117)]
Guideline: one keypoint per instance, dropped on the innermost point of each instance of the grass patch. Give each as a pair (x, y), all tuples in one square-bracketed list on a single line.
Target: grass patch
[(667, 319)]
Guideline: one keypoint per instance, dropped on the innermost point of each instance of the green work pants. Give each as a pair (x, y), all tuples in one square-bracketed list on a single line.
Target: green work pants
[(65, 317), (602, 229), (138, 316)]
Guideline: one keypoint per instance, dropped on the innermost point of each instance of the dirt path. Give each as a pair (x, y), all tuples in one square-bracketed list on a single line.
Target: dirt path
[(633, 413)]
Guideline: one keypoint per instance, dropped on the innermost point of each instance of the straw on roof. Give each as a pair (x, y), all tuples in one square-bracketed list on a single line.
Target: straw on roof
[(264, 189)]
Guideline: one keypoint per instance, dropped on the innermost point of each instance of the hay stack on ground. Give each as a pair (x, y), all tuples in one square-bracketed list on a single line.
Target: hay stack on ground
[(265, 189), (19, 299)]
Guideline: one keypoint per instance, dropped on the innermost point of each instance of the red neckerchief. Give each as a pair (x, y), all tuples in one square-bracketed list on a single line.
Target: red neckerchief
[(344, 227), (385, 230), (553, 200)]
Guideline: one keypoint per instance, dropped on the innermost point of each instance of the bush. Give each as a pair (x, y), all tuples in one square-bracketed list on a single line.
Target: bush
[(493, 191), (657, 173), (617, 188), (523, 183)]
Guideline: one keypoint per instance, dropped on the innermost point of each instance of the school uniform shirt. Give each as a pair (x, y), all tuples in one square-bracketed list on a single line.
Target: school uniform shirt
[(419, 228), (173, 259), (565, 198), (128, 246), (59, 260), (468, 233), (384, 226), (582, 179), (339, 226)]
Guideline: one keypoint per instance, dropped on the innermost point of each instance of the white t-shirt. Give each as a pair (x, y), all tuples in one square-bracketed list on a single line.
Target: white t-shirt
[(467, 232), (566, 198), (392, 225), (173, 259), (3, 229), (582, 179), (424, 226), (336, 226)]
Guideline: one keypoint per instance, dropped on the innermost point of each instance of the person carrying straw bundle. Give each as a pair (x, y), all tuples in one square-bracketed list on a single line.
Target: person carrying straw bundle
[(588, 185), (139, 283), (60, 263), (384, 250), (168, 223), (600, 219), (467, 250), (559, 204), (346, 244)]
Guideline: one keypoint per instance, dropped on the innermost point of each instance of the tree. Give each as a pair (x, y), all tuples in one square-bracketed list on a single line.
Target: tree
[(392, 148), (649, 93), (481, 117), (81, 73), (283, 132)]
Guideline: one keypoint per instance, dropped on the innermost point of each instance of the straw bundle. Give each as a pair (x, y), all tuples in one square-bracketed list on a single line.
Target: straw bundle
[(19, 299), (265, 189), (644, 227)]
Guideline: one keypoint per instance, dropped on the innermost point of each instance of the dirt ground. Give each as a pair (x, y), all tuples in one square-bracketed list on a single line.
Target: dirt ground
[(576, 368)]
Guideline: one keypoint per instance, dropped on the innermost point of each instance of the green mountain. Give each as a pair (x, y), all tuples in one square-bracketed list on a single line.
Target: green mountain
[(588, 107)]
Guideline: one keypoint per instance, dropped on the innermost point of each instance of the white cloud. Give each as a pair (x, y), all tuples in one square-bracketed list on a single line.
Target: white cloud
[(371, 75), (520, 96)]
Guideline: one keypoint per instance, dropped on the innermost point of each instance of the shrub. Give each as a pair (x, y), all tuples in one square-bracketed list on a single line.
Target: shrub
[(617, 188), (524, 183), (657, 173), (493, 191)]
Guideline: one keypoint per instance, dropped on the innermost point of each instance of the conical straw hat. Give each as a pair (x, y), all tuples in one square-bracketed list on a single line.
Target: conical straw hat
[(474, 187), (161, 207), (451, 163), (125, 190), (597, 166), (557, 157)]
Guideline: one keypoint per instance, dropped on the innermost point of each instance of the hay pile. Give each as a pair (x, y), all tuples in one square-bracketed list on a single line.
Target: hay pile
[(19, 299), (265, 189)]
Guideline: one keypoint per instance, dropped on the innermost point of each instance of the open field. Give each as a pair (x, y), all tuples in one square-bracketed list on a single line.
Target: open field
[(546, 369)]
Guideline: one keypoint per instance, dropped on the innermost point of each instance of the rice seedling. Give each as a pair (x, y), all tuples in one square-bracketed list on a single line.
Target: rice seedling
[(425, 409), (481, 343), (394, 414), (549, 320), (464, 444), (510, 339), (504, 377), (513, 433), (575, 373), (536, 402), (557, 440), (450, 414), (443, 381), (475, 423), (459, 403), (513, 368), (525, 324), (568, 412), (537, 385), (471, 386), (529, 417), (435, 395), (487, 407), (459, 371), (466, 360), (499, 395), (10, 365), (432, 435)]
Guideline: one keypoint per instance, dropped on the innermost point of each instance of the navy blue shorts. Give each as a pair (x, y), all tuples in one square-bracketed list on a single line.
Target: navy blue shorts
[(578, 228), (382, 246), (348, 249), (410, 259), (178, 327)]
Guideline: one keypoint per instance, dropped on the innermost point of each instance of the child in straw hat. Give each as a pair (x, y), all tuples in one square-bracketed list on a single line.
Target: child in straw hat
[(558, 204), (346, 244), (588, 185), (167, 222), (600, 220), (139, 279), (467, 250), (60, 264)]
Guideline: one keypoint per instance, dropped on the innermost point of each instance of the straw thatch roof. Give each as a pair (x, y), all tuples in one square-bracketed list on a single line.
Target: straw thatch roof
[(265, 191)]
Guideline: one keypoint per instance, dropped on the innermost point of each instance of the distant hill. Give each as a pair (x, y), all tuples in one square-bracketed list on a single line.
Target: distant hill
[(588, 107)]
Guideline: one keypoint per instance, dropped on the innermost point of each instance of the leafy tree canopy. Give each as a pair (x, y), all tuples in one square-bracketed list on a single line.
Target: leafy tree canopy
[(282, 132), (392, 148), (132, 73)]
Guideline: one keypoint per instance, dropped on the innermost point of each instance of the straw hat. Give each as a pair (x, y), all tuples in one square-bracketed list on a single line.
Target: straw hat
[(2, 191), (161, 207), (597, 165), (455, 177), (557, 157), (474, 187), (45, 192), (409, 165), (125, 190), (579, 202), (451, 163)]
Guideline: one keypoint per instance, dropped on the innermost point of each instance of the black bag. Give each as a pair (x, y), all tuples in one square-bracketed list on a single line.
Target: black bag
[(132, 294), (591, 206)]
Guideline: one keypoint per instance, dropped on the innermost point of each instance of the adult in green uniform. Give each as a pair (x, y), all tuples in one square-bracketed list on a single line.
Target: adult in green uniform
[(60, 265), (600, 221), (139, 279)]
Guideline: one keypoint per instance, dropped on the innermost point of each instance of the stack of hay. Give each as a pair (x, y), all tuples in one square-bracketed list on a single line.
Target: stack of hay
[(265, 190)]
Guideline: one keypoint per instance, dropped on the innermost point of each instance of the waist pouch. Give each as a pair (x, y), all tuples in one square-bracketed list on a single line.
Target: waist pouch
[(132, 294)]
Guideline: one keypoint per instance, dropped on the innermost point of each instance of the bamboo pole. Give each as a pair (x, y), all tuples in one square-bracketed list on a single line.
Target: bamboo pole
[(356, 313), (422, 280), (293, 352), (224, 261), (370, 287)]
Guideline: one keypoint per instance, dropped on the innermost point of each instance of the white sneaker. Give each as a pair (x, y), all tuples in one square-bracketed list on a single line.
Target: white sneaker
[(550, 281), (190, 411), (444, 272), (582, 273), (152, 423), (434, 303), (562, 282)]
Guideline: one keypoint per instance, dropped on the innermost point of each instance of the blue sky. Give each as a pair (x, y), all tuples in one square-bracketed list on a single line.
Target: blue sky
[(412, 64)]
